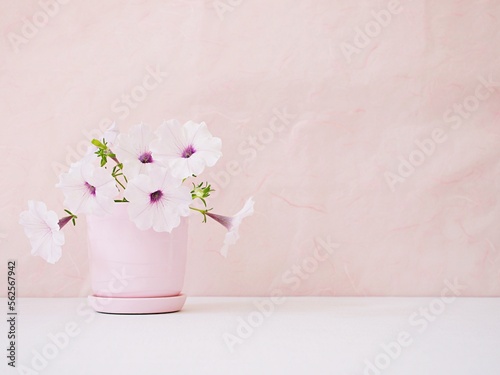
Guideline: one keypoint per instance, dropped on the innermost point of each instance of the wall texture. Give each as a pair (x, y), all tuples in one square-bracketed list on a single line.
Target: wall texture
[(367, 128)]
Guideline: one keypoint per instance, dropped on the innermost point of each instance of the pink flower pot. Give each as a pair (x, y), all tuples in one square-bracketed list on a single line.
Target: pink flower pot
[(134, 271)]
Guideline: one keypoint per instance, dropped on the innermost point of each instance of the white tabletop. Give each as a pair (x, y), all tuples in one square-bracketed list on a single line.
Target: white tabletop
[(301, 335)]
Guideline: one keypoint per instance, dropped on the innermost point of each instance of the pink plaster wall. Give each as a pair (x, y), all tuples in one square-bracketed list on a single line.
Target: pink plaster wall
[(356, 106)]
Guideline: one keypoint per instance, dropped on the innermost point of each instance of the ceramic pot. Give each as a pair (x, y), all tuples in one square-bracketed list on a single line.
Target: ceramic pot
[(134, 271)]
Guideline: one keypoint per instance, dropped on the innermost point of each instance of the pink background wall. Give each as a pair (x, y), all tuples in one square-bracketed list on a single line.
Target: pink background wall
[(358, 108)]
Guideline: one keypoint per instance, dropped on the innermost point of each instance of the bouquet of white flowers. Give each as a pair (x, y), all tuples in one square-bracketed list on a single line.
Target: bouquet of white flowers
[(145, 170)]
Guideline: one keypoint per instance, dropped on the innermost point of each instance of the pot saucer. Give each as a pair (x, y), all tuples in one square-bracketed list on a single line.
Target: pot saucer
[(147, 305)]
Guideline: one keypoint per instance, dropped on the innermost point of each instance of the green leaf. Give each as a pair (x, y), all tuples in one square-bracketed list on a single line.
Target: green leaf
[(99, 144)]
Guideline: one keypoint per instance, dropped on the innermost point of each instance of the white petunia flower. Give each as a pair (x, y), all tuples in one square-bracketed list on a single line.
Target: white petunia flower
[(42, 229), (186, 149), (232, 224), (157, 200), (88, 189), (133, 150)]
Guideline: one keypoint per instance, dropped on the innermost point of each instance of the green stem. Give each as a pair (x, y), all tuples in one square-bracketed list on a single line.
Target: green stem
[(123, 187), (203, 212), (199, 210)]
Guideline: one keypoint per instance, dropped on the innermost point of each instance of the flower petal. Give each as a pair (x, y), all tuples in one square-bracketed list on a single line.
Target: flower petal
[(162, 213), (130, 146), (75, 186), (186, 149), (42, 229), (233, 235)]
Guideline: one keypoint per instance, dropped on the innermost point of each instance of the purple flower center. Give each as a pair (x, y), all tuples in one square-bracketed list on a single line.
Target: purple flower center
[(155, 196), (188, 151), (146, 157), (90, 188)]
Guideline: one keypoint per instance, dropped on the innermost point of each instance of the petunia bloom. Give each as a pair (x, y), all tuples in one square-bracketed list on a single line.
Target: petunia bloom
[(186, 149), (232, 224), (133, 150), (87, 189), (43, 231), (157, 200)]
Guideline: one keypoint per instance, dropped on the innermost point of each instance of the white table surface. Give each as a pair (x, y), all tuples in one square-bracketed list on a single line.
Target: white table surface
[(303, 335)]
